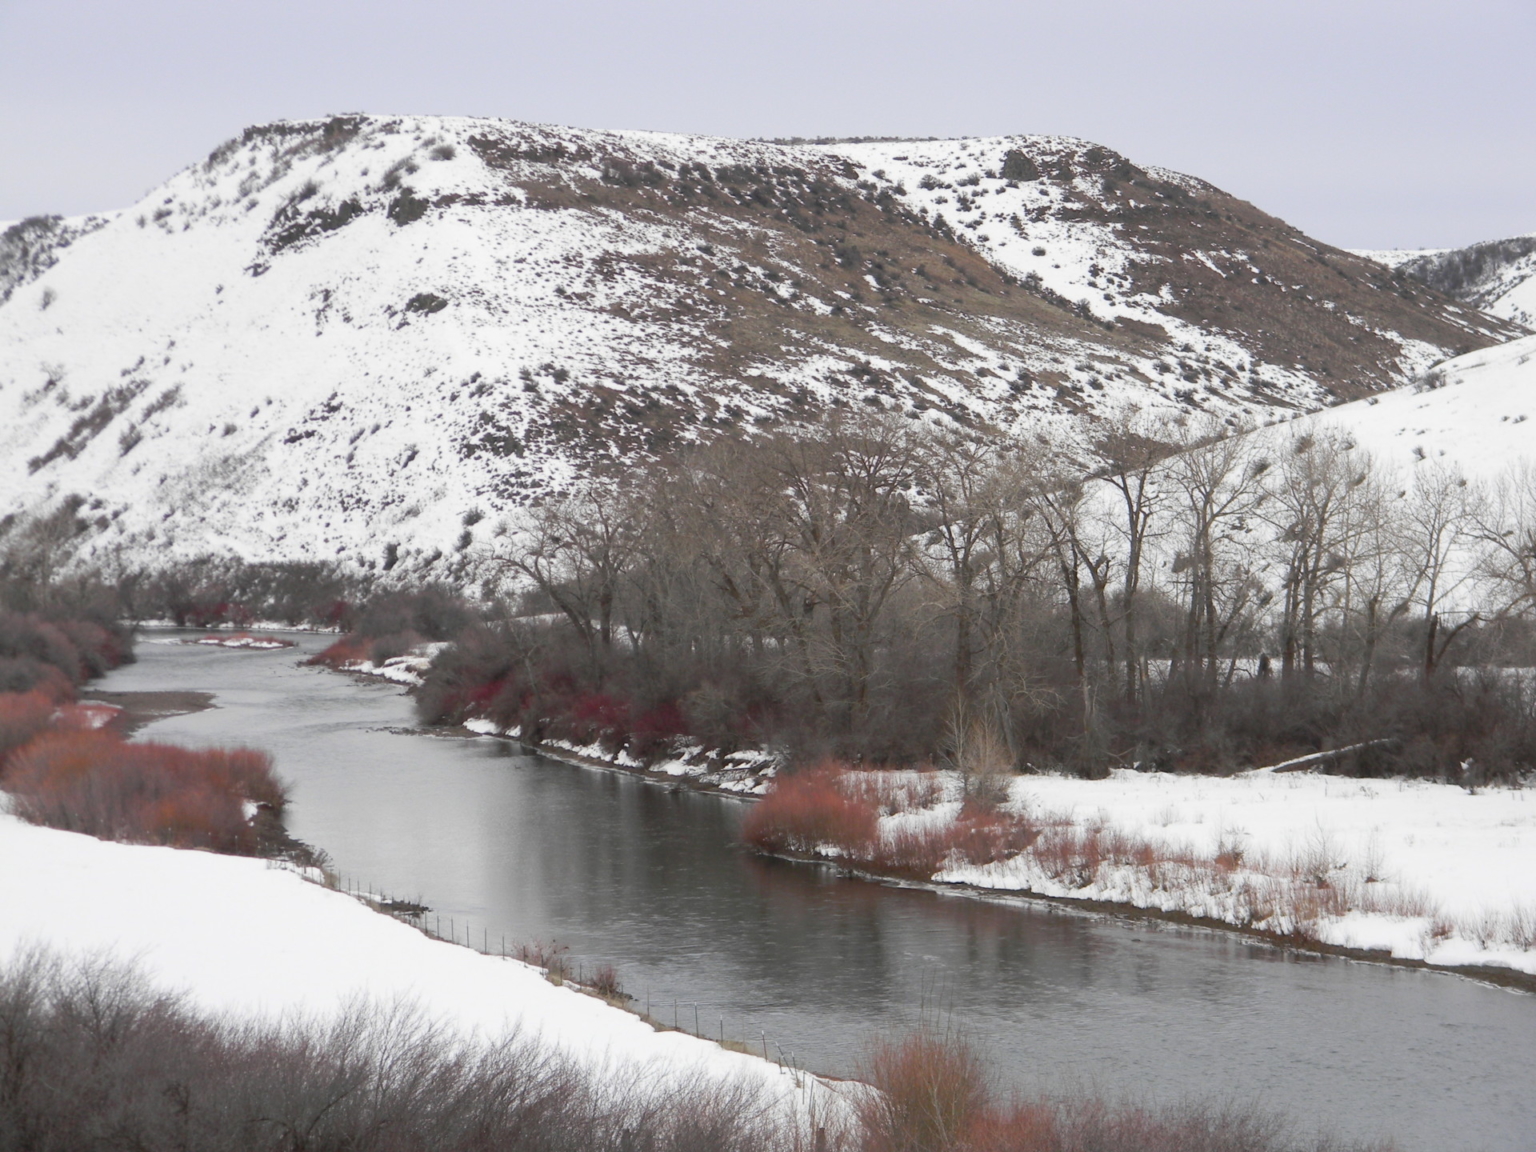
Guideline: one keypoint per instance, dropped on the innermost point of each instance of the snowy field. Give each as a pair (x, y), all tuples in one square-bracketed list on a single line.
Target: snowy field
[(249, 938), (1422, 870)]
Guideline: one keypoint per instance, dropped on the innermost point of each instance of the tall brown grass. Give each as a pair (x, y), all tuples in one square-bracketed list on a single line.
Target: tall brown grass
[(96, 783)]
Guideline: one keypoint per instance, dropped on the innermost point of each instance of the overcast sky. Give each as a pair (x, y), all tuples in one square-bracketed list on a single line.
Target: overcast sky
[(1405, 124)]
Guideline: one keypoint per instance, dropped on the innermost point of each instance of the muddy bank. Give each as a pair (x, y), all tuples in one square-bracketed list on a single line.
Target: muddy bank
[(140, 708)]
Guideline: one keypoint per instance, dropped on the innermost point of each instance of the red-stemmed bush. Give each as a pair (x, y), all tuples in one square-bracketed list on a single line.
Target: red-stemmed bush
[(94, 782), (656, 729), (23, 717), (932, 1094), (809, 810), (350, 649)]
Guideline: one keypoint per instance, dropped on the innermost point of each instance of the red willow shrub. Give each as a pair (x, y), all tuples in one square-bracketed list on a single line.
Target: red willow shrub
[(835, 806), (95, 783), (932, 1094), (350, 649), (810, 809), (23, 717)]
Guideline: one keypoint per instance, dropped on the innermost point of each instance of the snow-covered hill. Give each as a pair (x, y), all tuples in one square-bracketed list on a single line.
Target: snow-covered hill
[(1476, 413), (355, 338)]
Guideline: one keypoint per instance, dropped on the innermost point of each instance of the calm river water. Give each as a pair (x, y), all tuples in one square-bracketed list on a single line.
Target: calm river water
[(652, 881)]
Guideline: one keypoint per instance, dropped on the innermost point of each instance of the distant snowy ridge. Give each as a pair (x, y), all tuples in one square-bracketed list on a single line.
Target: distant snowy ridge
[(1396, 257), (356, 339), (1497, 276)]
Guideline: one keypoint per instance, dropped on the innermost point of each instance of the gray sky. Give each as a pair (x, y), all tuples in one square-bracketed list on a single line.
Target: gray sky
[(1367, 124)]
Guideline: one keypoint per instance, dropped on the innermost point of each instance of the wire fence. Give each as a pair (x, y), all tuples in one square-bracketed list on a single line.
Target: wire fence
[(559, 968)]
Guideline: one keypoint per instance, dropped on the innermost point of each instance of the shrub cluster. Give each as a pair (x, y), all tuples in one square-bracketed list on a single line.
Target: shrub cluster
[(55, 654), (935, 1096), (536, 680), (393, 623), (97, 783), (813, 811), (832, 810), (23, 717), (94, 1057)]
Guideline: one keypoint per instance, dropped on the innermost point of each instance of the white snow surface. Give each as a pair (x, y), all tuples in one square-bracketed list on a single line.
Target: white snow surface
[(1431, 871), (1472, 413), (746, 773), (244, 937)]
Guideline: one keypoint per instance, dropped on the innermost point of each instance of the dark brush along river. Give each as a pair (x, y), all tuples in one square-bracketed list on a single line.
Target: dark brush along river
[(652, 880)]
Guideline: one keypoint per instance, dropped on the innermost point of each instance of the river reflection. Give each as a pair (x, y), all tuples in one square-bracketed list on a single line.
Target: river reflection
[(651, 880)]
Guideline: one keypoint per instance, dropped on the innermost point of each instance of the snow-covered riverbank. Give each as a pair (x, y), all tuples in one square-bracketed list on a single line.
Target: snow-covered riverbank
[(1418, 870), (246, 937)]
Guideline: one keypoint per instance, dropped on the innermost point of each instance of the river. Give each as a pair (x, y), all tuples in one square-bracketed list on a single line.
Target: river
[(651, 880)]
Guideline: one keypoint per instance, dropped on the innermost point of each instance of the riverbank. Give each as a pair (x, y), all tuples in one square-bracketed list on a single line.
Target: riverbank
[(1412, 872), (252, 939)]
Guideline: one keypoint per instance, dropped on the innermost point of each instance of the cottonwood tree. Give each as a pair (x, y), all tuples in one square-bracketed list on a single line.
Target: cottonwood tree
[(1436, 538), (1378, 581), (1074, 543), (850, 522), (1218, 485), (1316, 491), (1504, 528), (1132, 448), (808, 540), (34, 551), (576, 549)]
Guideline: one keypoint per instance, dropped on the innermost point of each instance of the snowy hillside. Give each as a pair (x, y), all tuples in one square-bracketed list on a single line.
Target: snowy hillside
[(355, 338), (1474, 413), (1498, 276), (1157, 250)]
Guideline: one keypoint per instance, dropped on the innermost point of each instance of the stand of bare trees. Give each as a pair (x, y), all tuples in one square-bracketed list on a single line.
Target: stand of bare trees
[(878, 592)]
